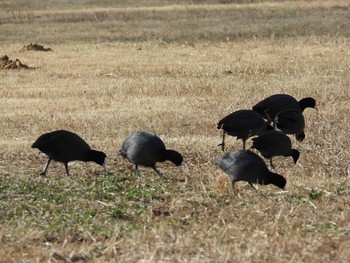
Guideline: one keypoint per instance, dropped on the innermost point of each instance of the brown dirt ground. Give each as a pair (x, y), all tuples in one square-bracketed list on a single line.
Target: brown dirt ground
[(7, 63)]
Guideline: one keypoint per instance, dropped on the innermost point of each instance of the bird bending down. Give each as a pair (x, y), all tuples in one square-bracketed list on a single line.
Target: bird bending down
[(291, 122), (275, 143), (65, 146), (244, 165), (270, 106), (146, 149), (242, 124)]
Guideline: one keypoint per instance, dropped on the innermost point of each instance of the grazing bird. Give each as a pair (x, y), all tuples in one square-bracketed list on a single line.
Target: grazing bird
[(291, 122), (244, 165), (146, 149), (275, 143), (242, 124), (64, 146), (269, 107)]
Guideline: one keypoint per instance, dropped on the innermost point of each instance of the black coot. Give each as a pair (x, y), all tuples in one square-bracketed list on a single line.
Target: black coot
[(146, 149), (275, 143), (65, 146), (242, 124), (291, 122), (269, 107), (244, 165)]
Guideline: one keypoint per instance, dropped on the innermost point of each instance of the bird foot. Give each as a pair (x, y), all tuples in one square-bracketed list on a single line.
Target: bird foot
[(222, 146)]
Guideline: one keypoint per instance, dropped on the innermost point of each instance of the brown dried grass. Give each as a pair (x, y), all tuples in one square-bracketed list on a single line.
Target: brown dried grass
[(104, 91)]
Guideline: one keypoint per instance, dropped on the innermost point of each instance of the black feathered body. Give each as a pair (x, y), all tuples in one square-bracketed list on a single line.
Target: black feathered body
[(275, 104), (271, 106), (291, 122), (144, 148), (63, 146), (244, 165), (243, 124), (273, 143)]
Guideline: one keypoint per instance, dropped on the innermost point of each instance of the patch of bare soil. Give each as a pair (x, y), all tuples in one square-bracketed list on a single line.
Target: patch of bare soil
[(35, 47), (7, 63)]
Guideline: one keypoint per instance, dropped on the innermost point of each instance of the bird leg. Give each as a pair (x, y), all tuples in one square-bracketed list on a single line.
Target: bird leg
[(234, 189), (244, 139), (156, 170), (252, 186), (137, 170), (272, 163), (222, 144), (67, 170), (43, 173), (180, 169)]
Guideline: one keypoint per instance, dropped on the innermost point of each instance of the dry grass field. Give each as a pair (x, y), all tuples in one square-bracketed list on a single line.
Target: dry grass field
[(173, 68)]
